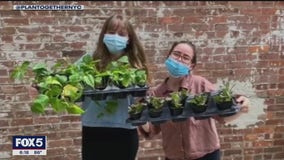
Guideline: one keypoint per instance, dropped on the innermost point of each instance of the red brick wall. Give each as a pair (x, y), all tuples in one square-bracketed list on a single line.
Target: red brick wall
[(236, 40)]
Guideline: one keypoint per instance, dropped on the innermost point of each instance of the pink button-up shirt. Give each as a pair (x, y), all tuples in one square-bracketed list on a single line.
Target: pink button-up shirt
[(190, 139)]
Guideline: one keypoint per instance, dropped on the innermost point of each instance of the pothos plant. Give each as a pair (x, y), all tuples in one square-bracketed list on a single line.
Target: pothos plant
[(140, 77), (59, 86), (62, 85), (121, 73)]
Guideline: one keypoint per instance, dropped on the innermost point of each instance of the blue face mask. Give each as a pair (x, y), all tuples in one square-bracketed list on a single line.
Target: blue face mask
[(115, 43), (176, 68)]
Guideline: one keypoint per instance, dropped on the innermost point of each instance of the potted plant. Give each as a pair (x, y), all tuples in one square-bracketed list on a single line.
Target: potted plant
[(183, 93), (224, 98), (121, 73), (155, 106), (121, 78), (135, 110), (199, 102), (60, 86), (174, 103), (101, 80), (140, 78)]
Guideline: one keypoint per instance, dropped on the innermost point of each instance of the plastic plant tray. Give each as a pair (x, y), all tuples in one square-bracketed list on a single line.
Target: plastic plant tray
[(97, 94), (211, 110)]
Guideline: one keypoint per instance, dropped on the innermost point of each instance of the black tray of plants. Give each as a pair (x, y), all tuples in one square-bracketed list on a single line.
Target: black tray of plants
[(118, 80), (179, 106), (65, 83)]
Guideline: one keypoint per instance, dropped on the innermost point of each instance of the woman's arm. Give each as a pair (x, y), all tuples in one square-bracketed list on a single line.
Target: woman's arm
[(149, 130), (244, 107)]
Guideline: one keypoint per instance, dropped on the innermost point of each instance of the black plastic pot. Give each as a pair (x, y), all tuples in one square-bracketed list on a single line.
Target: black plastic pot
[(183, 100), (176, 111), (154, 113), (198, 108), (190, 110), (224, 105), (119, 85), (134, 116), (104, 83), (141, 85), (173, 110)]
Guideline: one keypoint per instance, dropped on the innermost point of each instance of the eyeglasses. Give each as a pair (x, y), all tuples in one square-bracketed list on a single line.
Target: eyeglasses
[(184, 58)]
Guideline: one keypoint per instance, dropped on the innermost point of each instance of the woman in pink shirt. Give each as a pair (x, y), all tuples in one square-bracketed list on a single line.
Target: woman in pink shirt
[(191, 139)]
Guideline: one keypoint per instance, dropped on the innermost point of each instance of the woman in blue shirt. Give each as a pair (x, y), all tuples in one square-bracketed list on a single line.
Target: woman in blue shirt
[(110, 133)]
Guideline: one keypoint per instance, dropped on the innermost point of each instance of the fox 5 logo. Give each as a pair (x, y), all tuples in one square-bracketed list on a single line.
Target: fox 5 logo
[(29, 142)]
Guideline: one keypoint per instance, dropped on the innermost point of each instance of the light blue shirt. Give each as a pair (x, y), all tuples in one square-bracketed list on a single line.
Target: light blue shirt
[(96, 116)]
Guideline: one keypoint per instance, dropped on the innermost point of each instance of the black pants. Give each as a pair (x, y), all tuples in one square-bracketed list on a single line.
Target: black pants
[(99, 143), (216, 155)]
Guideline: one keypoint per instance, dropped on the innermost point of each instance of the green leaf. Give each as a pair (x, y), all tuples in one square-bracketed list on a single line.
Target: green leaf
[(53, 91), (61, 78), (40, 103), (56, 66), (58, 105), (17, 74), (100, 115), (43, 86), (40, 69), (71, 92), (39, 66), (52, 81), (74, 109), (126, 82), (42, 99), (98, 80), (199, 99), (87, 59), (111, 106), (74, 78), (20, 71), (89, 80), (72, 70), (140, 77), (37, 108), (68, 90), (123, 59)]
